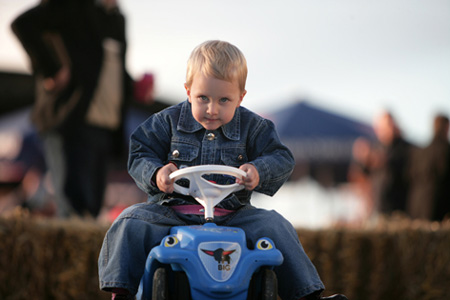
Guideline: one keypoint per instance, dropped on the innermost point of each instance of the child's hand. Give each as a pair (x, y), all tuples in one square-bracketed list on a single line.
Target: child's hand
[(164, 183), (252, 180)]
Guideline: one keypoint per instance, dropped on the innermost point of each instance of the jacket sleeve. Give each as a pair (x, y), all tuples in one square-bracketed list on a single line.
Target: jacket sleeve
[(30, 28), (149, 145), (273, 160)]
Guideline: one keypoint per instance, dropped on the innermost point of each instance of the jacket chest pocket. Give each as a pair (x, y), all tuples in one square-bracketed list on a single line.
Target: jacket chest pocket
[(183, 152), (235, 156)]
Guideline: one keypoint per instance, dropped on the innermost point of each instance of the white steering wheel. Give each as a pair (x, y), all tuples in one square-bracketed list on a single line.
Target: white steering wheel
[(207, 193)]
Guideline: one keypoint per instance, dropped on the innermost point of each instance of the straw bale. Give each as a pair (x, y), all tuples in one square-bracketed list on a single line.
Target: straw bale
[(49, 259), (397, 259)]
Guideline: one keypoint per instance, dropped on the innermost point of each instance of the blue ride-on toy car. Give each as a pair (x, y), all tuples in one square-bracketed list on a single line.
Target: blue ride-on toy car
[(209, 261)]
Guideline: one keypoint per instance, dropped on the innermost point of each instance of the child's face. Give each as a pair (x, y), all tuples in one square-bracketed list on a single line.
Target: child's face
[(214, 101)]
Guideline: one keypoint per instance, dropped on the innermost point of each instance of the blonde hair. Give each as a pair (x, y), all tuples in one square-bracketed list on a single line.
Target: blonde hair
[(219, 59)]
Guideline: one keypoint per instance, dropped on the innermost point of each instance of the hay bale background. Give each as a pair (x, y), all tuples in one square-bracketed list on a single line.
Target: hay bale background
[(49, 259), (399, 259)]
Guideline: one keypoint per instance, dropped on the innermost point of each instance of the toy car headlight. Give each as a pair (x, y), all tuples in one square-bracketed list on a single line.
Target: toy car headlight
[(170, 241), (264, 244)]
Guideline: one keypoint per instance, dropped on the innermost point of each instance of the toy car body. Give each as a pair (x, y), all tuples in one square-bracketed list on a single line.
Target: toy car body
[(210, 261)]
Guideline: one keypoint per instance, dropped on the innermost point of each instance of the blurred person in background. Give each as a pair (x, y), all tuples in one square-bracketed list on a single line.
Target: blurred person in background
[(430, 174), (77, 52), (359, 174), (390, 166)]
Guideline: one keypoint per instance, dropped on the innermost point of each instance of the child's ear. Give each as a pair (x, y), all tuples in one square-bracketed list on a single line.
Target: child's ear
[(188, 92), (242, 96)]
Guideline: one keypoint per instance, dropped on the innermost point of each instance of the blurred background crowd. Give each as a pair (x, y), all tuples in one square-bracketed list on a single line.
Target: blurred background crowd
[(64, 132)]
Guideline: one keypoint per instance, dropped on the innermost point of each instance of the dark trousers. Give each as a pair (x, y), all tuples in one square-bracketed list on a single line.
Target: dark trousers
[(78, 161)]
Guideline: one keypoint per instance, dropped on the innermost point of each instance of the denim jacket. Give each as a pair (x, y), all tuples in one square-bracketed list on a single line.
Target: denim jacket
[(173, 135)]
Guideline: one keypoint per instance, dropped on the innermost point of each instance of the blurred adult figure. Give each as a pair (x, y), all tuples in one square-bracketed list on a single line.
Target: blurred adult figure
[(430, 188), (77, 51), (359, 174), (390, 166)]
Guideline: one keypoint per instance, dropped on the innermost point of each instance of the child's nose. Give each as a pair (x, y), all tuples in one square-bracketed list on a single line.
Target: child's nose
[(213, 108)]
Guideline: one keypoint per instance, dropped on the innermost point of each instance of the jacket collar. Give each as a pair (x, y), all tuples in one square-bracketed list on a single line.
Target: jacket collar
[(187, 123)]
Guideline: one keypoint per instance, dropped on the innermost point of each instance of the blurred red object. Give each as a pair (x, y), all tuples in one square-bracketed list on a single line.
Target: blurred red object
[(143, 89), (115, 212), (11, 172)]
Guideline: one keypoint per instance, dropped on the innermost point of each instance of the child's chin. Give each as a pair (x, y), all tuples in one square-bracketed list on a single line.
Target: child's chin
[(211, 126)]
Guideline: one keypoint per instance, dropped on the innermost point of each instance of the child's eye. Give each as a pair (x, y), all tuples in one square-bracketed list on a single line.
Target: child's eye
[(223, 100), (204, 98)]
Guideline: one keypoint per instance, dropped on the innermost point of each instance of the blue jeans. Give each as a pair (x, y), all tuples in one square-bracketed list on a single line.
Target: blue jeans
[(142, 226)]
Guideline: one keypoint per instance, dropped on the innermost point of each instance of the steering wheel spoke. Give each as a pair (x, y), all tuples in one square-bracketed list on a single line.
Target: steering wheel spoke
[(207, 193)]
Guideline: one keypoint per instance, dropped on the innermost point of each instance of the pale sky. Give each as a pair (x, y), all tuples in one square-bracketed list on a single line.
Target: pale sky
[(354, 57)]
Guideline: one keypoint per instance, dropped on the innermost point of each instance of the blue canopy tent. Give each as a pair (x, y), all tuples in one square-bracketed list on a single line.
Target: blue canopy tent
[(319, 139)]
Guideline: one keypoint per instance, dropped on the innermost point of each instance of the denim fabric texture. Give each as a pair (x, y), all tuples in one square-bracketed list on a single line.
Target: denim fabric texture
[(173, 135)]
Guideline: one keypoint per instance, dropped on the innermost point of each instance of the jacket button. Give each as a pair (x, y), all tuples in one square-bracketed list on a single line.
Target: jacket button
[(240, 157), (210, 136), (175, 153)]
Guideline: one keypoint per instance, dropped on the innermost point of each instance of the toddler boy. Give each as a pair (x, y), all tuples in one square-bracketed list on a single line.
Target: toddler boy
[(210, 127)]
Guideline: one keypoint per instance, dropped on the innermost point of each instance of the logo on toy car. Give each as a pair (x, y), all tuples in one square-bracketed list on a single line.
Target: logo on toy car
[(220, 255), (219, 258)]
